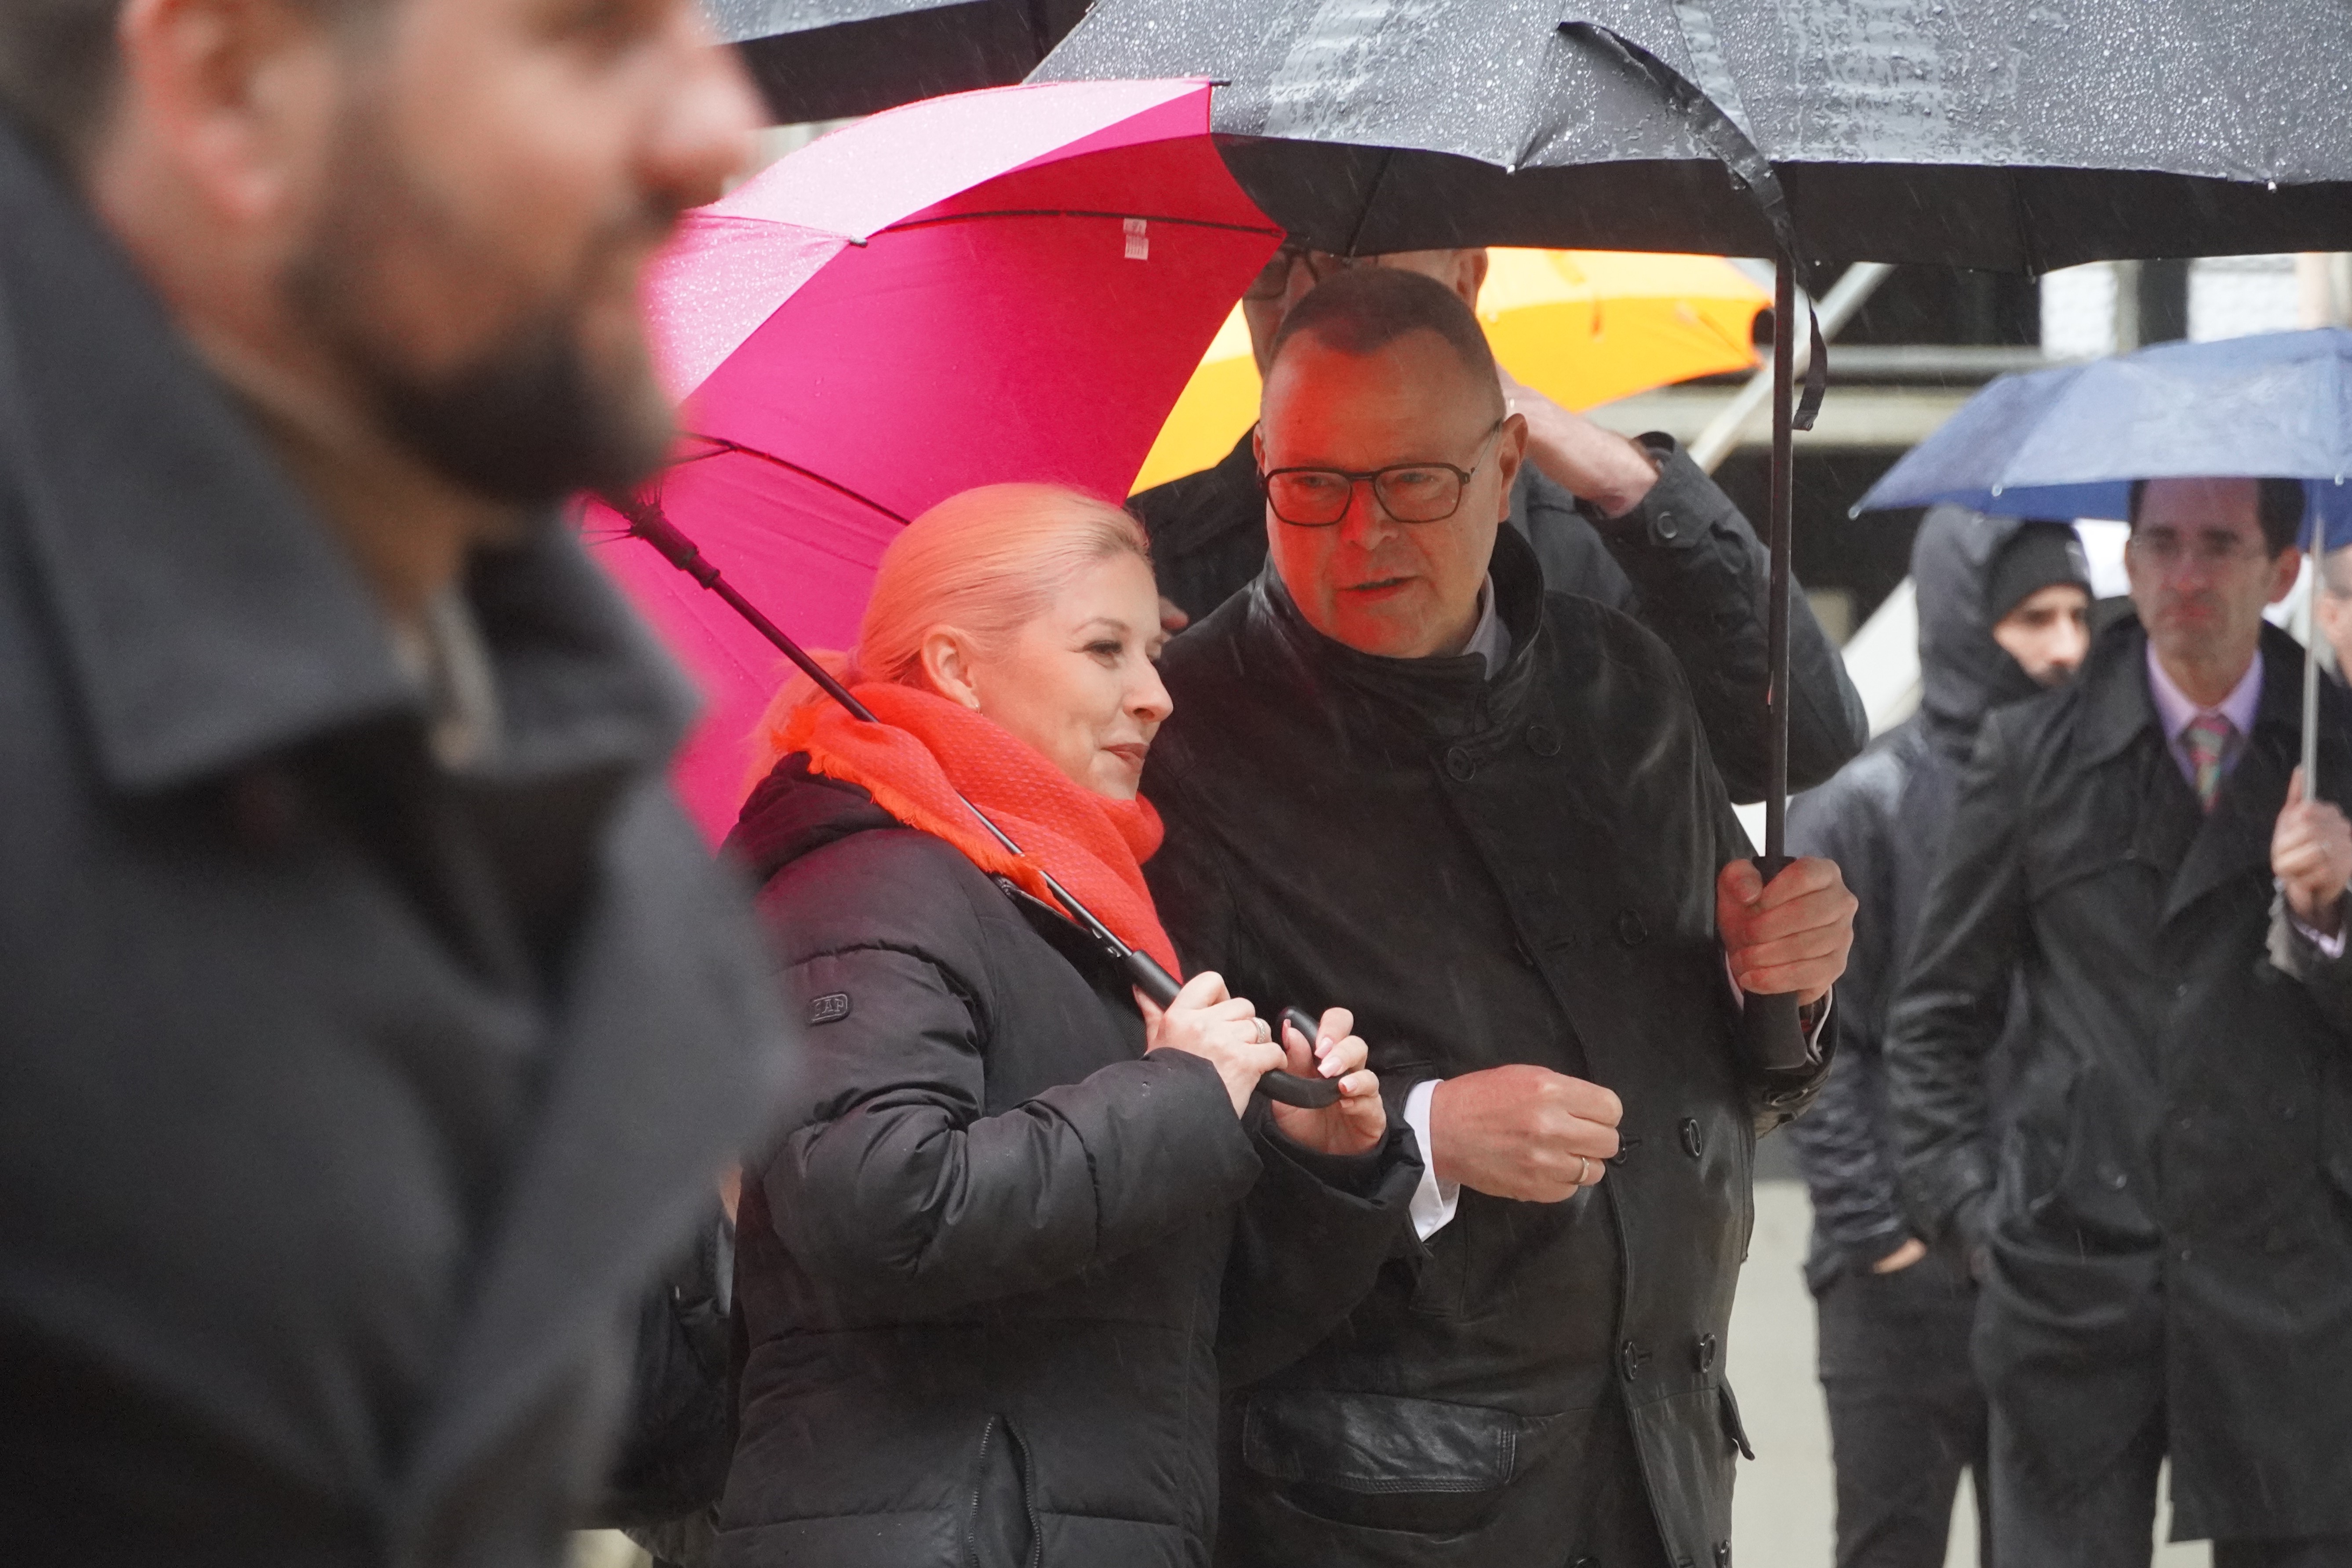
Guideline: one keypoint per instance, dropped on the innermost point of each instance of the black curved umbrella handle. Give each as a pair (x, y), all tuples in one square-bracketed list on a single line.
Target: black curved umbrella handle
[(1284, 1088), (1775, 1033)]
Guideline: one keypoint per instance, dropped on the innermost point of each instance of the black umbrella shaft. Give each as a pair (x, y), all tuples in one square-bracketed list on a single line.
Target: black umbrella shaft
[(1775, 622), (647, 521)]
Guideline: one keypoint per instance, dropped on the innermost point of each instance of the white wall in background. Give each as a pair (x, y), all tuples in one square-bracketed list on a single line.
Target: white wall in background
[(2078, 311), (2235, 295)]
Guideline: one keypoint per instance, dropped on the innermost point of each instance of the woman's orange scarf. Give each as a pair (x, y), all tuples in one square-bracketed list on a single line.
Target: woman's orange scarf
[(927, 750)]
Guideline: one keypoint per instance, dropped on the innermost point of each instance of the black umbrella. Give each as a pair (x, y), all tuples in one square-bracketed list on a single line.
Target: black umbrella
[(2012, 134), (830, 59), (2020, 135)]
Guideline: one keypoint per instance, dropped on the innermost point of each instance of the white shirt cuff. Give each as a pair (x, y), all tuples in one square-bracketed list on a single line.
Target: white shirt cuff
[(2328, 946), (1433, 1201)]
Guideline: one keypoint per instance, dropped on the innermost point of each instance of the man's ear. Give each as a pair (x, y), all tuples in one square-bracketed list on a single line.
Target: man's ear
[(948, 665), (2283, 571), (234, 98), (1510, 452), (1470, 274)]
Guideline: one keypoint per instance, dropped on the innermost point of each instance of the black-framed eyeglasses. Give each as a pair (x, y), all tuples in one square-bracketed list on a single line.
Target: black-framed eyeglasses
[(1409, 492), (1274, 278)]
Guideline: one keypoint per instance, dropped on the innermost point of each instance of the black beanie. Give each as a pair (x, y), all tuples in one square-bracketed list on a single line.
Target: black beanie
[(2036, 556)]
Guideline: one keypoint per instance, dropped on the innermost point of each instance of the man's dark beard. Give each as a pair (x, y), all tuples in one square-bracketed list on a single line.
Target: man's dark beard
[(528, 421)]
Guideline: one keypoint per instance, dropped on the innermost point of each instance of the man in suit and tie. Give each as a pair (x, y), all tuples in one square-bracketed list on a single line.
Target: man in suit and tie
[(2165, 1236), (372, 1026)]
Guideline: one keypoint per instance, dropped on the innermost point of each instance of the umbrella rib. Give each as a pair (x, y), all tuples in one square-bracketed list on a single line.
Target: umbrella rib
[(1371, 196), (1079, 212), (723, 445)]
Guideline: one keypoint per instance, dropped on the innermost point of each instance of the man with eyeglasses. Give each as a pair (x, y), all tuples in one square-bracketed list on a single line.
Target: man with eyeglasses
[(1402, 772), (2165, 1240), (1634, 524)]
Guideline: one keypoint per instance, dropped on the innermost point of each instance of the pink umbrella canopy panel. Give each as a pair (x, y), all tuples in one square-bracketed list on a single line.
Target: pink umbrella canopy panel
[(1032, 323)]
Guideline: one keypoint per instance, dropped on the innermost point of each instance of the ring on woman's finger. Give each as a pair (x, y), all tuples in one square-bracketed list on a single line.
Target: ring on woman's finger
[(1264, 1032)]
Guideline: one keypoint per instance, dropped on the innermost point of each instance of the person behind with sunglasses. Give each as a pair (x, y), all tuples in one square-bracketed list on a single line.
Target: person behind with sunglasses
[(1633, 523), (1401, 774)]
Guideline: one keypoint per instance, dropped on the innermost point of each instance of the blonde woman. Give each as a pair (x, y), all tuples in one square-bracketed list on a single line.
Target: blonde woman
[(988, 1269)]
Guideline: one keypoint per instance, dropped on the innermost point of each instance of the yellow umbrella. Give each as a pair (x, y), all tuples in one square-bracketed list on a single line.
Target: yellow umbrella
[(1583, 327)]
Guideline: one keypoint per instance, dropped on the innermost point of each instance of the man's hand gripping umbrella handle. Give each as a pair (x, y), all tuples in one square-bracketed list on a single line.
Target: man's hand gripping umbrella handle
[(1775, 1032)]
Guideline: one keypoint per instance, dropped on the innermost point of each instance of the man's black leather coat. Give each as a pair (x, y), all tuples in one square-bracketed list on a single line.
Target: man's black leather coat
[(1683, 562), (2169, 1217), (1518, 870)]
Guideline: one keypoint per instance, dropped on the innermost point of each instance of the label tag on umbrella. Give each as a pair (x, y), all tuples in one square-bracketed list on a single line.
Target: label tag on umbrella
[(1138, 241)]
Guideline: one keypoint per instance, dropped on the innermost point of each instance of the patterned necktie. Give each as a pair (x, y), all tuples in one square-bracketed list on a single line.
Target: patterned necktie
[(2208, 739)]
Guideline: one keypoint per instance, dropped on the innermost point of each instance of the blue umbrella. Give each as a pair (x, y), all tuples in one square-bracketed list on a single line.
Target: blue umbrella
[(2069, 442)]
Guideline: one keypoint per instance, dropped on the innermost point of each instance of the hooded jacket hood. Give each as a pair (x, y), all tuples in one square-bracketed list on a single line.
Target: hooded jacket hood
[(1963, 674)]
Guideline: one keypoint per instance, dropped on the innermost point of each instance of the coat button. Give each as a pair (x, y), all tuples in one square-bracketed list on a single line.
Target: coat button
[(1665, 526), (1691, 1145), (1543, 740), (1707, 1346), (1458, 765), (1630, 929), (1626, 1147), (1629, 1357), (1723, 1554)]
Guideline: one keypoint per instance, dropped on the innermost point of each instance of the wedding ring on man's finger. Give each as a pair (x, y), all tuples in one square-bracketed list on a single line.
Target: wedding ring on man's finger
[(1584, 1171)]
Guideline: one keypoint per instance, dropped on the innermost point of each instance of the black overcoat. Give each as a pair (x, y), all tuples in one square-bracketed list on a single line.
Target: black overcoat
[(1519, 870), (347, 1102), (986, 1274), (2169, 1217)]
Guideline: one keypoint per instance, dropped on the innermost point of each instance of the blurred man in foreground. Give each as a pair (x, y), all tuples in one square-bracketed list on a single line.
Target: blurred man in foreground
[(374, 1021), (2165, 1236), (1417, 779), (1696, 574), (2003, 614)]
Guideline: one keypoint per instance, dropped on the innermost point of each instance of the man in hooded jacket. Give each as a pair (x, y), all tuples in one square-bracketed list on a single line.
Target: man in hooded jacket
[(2003, 607)]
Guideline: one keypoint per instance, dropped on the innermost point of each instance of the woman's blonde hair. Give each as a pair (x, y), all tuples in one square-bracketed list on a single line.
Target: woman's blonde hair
[(986, 562)]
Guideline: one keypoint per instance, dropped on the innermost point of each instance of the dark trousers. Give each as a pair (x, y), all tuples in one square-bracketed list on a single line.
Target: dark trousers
[(1905, 1417), (2112, 1523)]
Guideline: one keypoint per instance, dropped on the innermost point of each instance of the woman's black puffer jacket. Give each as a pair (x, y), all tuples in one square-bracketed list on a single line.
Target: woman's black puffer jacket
[(984, 1270)]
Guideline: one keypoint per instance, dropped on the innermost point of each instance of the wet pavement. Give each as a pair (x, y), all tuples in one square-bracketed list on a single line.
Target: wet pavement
[(1783, 1513)]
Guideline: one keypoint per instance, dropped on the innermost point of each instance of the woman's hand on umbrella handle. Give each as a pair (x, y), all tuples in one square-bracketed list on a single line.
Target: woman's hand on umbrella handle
[(1205, 1020), (1357, 1120)]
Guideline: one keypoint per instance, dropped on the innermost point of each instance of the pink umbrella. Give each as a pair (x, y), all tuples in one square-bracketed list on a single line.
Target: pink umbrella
[(1008, 285)]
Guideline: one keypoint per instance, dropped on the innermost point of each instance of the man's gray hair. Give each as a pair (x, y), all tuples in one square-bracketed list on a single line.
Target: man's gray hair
[(58, 68)]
